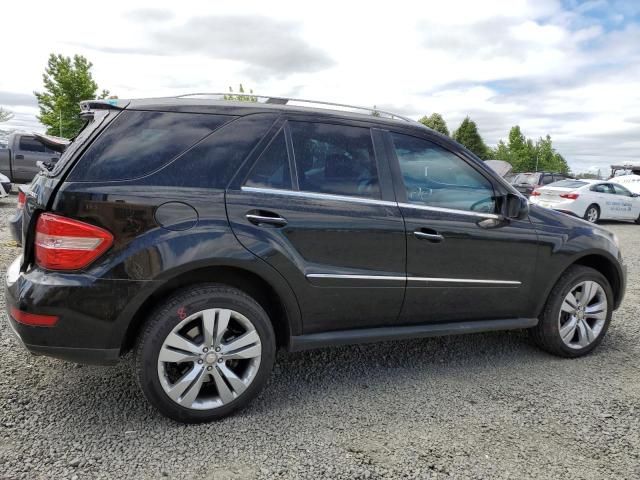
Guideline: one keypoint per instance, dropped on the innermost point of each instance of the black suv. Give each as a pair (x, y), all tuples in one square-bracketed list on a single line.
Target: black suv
[(526, 183), (205, 234)]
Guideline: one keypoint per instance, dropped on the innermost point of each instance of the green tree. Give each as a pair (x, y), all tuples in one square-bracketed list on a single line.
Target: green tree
[(5, 115), (67, 82), (522, 151), (240, 96), (467, 134), (435, 122), (501, 152), (547, 158)]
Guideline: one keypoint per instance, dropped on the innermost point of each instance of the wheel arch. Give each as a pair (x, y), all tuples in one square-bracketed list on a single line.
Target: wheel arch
[(608, 268), (593, 204), (280, 305), (599, 262)]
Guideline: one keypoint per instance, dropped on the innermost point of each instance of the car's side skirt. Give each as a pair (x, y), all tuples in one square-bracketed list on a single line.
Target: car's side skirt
[(401, 332)]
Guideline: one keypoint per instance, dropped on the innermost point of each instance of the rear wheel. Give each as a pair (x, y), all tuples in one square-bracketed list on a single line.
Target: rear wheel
[(206, 352), (592, 215), (577, 314)]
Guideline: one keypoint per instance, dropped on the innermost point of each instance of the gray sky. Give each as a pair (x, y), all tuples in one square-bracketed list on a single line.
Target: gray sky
[(567, 68)]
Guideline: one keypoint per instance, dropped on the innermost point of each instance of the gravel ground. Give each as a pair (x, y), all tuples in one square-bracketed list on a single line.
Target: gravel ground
[(476, 406)]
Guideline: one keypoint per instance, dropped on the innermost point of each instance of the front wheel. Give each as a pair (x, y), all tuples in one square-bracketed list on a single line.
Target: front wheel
[(205, 353), (577, 314)]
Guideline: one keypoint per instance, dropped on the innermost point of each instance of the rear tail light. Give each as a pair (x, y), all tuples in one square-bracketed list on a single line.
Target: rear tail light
[(33, 319), (570, 196), (22, 199), (65, 244), (535, 193)]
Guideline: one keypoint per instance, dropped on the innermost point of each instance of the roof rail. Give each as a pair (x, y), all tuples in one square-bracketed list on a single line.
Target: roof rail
[(285, 100)]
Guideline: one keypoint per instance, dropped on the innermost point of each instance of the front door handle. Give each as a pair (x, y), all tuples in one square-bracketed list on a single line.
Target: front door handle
[(19, 157), (266, 218), (430, 235)]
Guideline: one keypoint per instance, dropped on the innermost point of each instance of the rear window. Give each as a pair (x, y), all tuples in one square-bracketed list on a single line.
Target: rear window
[(569, 184), (138, 143), (526, 179)]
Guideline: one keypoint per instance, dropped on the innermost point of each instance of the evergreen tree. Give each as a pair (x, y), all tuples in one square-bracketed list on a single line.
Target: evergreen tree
[(435, 122), (467, 134)]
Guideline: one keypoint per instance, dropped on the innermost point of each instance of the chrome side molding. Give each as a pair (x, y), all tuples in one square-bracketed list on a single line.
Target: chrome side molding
[(417, 280)]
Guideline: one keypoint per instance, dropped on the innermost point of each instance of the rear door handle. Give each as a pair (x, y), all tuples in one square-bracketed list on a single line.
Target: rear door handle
[(432, 236), (265, 218)]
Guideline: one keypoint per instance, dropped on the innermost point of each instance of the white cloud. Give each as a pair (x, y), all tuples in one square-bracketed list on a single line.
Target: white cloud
[(532, 63)]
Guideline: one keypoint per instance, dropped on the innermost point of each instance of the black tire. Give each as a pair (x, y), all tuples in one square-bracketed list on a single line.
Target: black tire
[(638, 220), (547, 333), (168, 315), (588, 213)]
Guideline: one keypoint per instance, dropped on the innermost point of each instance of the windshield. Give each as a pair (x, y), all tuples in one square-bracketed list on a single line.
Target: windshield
[(568, 184), (79, 140), (526, 179)]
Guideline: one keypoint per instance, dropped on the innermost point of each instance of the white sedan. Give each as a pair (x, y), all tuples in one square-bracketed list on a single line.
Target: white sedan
[(592, 200)]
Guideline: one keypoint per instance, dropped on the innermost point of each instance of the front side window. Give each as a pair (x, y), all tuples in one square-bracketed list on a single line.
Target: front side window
[(620, 190), (30, 144), (272, 168), (436, 177), (335, 159)]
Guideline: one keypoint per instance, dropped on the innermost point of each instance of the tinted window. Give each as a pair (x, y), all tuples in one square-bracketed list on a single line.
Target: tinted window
[(335, 159), (620, 190), (137, 143), (213, 162), (30, 144), (272, 168), (436, 177), (547, 179)]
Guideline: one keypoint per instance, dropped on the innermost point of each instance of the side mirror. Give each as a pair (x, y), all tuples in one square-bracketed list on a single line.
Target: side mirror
[(515, 206)]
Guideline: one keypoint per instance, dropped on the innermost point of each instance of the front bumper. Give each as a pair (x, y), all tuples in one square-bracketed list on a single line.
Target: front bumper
[(93, 314)]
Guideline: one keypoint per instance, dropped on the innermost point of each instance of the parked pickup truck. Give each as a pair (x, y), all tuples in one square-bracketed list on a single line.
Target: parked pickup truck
[(20, 161)]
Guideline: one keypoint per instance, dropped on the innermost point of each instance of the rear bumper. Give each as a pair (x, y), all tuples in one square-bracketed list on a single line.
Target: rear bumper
[(15, 227), (92, 313)]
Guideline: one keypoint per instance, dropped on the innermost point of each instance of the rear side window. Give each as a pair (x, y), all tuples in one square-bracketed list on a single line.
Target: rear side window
[(272, 168), (138, 143), (335, 159)]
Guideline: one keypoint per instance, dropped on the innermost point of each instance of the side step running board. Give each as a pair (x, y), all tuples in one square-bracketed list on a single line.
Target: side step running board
[(370, 335)]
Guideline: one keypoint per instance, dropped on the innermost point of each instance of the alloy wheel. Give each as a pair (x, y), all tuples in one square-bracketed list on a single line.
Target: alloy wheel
[(583, 314), (592, 215), (209, 359)]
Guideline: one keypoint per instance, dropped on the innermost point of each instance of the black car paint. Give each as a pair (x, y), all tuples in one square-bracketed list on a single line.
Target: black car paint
[(100, 307)]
